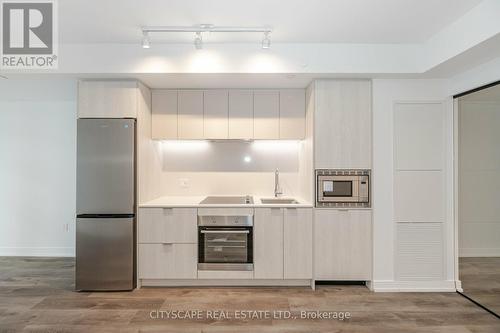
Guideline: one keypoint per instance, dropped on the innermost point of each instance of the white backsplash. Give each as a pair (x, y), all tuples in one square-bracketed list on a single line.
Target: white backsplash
[(229, 167), (232, 156)]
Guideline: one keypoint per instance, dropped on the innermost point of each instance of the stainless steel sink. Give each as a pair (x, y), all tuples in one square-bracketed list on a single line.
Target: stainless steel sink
[(279, 201)]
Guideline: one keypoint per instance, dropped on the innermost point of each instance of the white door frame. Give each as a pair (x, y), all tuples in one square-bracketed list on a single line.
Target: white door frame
[(458, 282)]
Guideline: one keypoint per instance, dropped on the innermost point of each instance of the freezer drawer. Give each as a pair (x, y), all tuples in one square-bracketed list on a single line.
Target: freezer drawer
[(105, 166), (104, 253)]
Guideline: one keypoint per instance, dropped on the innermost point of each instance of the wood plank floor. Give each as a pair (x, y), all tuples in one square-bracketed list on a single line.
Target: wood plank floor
[(481, 280), (36, 295)]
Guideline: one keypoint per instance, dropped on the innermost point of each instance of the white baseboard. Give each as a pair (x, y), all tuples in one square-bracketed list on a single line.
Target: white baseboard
[(37, 251), (413, 286), (479, 252)]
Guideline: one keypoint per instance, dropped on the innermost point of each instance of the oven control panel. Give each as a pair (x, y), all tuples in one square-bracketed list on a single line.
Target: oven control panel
[(226, 221)]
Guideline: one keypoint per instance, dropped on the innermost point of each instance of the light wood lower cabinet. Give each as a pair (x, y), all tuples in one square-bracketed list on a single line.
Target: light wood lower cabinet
[(168, 261), (283, 243), (343, 245), (268, 243), (167, 225), (297, 241)]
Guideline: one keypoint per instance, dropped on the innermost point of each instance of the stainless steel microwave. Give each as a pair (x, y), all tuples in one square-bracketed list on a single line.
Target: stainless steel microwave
[(342, 188)]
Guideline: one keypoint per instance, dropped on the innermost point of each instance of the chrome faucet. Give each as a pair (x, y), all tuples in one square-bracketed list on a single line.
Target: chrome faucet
[(277, 187)]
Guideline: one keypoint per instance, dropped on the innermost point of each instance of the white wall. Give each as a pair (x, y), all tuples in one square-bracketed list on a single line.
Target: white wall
[(38, 168), (388, 95)]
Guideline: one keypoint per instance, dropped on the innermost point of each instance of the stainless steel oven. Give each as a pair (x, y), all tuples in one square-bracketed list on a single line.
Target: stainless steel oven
[(225, 243), (343, 188)]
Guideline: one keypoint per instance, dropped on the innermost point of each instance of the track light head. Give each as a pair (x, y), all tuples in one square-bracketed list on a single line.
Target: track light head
[(198, 41), (266, 41), (146, 41)]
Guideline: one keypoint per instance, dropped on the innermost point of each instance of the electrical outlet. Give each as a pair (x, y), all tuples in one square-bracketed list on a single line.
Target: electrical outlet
[(66, 227), (184, 182)]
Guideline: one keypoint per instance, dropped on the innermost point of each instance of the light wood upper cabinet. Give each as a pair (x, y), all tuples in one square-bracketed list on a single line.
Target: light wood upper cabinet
[(268, 243), (229, 114), (190, 114), (292, 114), (215, 114), (266, 111), (107, 99), (297, 239), (240, 114), (164, 117), (343, 245), (342, 124)]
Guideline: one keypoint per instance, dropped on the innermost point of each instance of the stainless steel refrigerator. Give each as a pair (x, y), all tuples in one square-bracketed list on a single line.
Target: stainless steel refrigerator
[(106, 204)]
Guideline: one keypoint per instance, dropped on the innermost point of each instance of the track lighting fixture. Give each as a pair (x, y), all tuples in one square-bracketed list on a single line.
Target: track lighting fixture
[(199, 29), (146, 41), (198, 41), (266, 41)]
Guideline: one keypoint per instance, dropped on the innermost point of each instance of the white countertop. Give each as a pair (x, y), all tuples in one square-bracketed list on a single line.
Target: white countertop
[(194, 202)]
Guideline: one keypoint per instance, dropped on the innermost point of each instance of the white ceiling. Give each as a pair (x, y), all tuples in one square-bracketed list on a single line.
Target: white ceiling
[(294, 21)]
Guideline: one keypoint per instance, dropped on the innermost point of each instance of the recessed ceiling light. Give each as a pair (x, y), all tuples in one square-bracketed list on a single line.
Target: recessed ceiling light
[(247, 159)]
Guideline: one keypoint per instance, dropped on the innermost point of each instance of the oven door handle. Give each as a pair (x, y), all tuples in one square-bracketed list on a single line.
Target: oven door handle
[(225, 232)]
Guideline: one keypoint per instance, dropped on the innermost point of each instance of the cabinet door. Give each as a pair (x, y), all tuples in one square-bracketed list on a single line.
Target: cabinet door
[(164, 115), (266, 111), (190, 113), (343, 247), (215, 114), (297, 243), (167, 225), (343, 124), (292, 114), (268, 243), (107, 99), (240, 114), (167, 261)]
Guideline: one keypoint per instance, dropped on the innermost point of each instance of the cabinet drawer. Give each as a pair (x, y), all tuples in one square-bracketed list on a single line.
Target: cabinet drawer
[(167, 261), (167, 225)]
